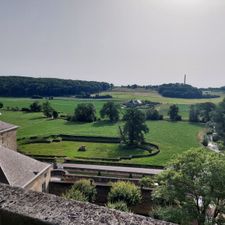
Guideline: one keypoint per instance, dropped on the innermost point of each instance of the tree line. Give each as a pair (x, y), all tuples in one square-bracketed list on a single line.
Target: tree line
[(15, 86)]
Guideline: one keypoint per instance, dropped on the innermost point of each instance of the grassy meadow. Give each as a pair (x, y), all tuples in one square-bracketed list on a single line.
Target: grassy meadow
[(70, 149), (172, 137)]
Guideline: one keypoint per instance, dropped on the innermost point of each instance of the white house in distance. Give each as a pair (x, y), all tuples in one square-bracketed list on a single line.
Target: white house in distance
[(17, 169)]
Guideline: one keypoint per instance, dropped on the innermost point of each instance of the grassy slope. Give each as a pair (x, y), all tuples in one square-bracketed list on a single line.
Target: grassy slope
[(172, 138)]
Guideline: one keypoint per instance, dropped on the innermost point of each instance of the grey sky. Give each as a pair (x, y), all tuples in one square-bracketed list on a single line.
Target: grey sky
[(119, 41)]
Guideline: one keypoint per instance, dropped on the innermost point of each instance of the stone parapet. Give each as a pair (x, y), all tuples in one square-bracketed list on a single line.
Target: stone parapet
[(21, 207)]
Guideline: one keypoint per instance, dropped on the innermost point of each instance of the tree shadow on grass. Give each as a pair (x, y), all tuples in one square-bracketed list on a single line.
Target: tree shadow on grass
[(37, 118), (75, 123), (103, 123)]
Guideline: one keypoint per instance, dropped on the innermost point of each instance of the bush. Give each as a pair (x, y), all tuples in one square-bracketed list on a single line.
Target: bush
[(75, 195), (1, 105), (205, 141), (126, 192), (146, 182), (85, 187), (153, 114), (170, 214), (35, 107), (122, 206), (55, 114), (84, 113)]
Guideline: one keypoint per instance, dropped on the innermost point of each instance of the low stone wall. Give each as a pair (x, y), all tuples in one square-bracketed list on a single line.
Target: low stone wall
[(21, 207)]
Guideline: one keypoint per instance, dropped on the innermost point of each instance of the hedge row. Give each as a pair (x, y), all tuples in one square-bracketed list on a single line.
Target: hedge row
[(123, 157)]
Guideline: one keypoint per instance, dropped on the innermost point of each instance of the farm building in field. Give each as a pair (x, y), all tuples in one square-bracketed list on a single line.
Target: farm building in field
[(133, 103), (17, 169)]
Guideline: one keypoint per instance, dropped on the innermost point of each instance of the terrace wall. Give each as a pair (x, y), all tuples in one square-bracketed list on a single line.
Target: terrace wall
[(21, 207)]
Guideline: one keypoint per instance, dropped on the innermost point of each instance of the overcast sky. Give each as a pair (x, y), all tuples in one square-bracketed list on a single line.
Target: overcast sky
[(118, 41)]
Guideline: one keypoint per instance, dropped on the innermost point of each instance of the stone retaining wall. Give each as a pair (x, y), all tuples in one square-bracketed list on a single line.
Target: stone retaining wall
[(21, 207)]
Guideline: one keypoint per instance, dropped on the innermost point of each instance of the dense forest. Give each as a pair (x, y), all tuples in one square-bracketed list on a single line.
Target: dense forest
[(14, 86), (182, 91)]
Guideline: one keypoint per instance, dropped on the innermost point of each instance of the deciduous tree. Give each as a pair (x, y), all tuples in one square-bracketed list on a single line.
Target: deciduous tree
[(194, 184), (110, 110), (134, 127)]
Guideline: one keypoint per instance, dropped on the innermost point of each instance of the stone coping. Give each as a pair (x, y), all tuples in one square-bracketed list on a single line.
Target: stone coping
[(51, 209)]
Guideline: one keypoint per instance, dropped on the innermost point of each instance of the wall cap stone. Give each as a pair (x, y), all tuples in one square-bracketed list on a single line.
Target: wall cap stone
[(55, 210)]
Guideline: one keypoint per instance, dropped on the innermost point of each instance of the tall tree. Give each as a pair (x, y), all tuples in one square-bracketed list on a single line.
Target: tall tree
[(85, 113), (35, 107), (47, 109), (194, 114), (194, 184), (110, 110), (173, 113), (218, 119), (134, 127)]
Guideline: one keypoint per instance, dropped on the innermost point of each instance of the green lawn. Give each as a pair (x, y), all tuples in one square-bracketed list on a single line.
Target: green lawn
[(172, 138), (64, 105), (70, 149), (124, 94)]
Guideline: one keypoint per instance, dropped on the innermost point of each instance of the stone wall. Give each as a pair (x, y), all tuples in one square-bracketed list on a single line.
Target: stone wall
[(8, 139), (21, 207), (40, 183)]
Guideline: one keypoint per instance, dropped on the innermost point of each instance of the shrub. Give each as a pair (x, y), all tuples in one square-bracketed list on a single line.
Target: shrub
[(205, 141), (122, 206), (146, 182), (84, 113), (35, 107), (153, 114), (126, 192), (85, 187), (1, 105), (55, 114), (170, 214), (75, 195)]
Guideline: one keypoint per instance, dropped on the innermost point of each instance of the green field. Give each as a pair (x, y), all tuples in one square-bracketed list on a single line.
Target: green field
[(70, 149), (172, 138), (67, 105)]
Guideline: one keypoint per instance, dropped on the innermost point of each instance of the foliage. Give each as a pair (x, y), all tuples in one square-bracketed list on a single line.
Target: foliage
[(110, 110), (205, 140), (55, 114), (173, 113), (146, 182), (28, 86), (201, 112), (126, 192), (75, 194), (84, 113), (170, 214), (218, 119), (193, 183), (1, 105), (85, 187), (153, 114), (35, 107), (47, 109), (181, 91), (134, 127), (122, 206)]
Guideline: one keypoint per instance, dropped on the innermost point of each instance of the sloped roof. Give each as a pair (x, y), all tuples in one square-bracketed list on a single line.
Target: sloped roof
[(19, 169), (6, 126)]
